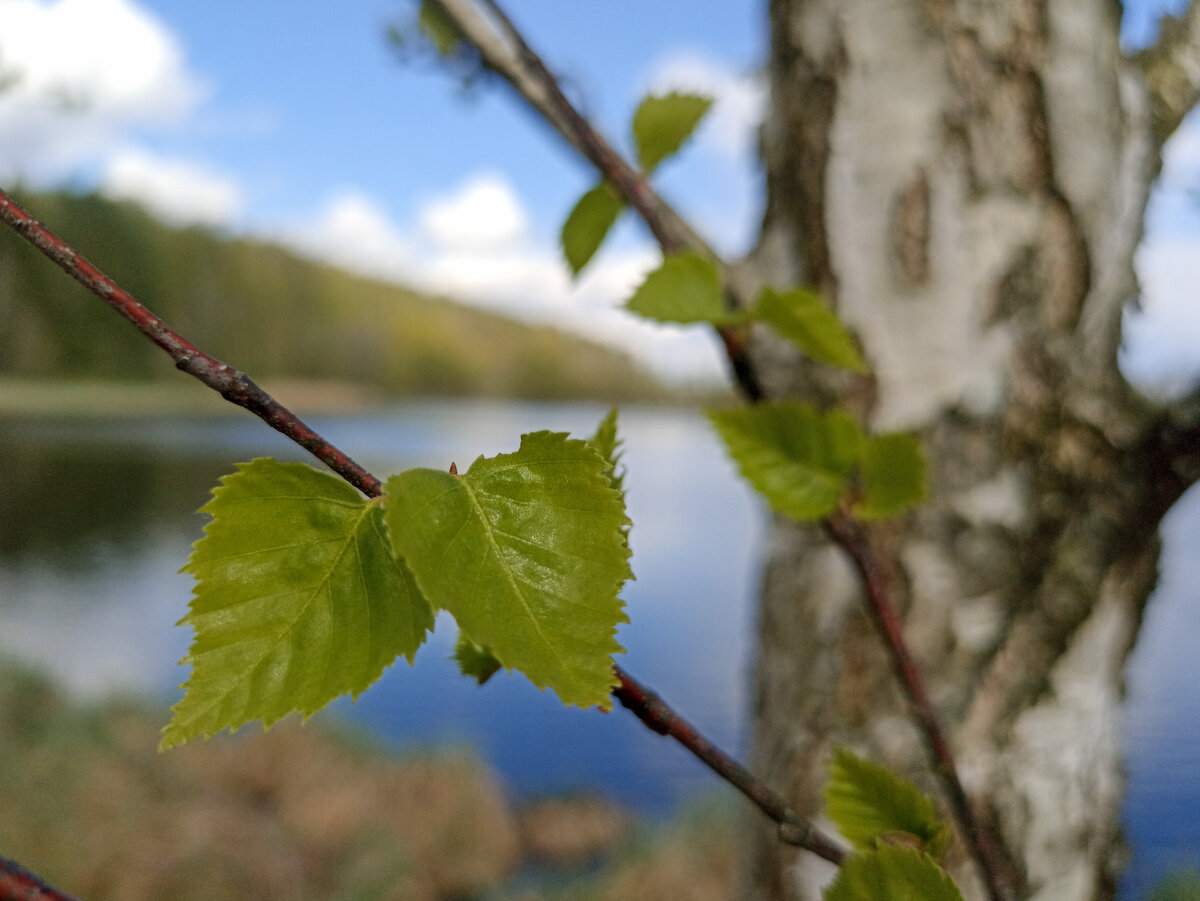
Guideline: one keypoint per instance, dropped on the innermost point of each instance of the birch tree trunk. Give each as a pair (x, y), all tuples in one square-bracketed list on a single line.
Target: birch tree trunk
[(966, 181)]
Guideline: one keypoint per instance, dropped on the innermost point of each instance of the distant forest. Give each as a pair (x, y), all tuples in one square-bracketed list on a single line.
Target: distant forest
[(272, 314)]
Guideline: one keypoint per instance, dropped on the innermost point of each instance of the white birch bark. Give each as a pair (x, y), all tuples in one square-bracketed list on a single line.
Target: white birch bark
[(966, 180)]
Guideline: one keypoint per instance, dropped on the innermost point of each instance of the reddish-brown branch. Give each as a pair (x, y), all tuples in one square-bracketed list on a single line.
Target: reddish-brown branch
[(236, 387), (18, 884), (982, 845), (643, 702), (658, 716)]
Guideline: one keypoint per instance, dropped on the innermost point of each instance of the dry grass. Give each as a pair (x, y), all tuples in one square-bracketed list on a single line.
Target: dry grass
[(301, 813)]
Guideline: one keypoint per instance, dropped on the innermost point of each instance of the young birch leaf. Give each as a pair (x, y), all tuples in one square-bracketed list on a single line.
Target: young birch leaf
[(662, 123), (893, 476), (685, 288), (475, 660), (795, 456), (802, 317), (608, 446), (298, 599), (891, 874), (870, 803), (588, 224), (438, 28), (526, 551)]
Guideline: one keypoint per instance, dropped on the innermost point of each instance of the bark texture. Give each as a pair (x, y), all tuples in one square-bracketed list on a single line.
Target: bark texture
[(966, 180)]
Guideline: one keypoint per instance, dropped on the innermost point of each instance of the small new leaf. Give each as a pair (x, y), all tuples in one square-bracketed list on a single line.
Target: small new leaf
[(438, 28), (795, 456), (873, 806), (588, 224), (662, 123), (893, 476), (685, 288), (608, 446), (802, 317), (298, 599), (475, 660), (527, 551), (891, 873)]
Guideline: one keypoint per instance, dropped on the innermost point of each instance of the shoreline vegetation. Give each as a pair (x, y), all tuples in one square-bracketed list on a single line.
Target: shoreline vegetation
[(276, 316), (313, 811), (29, 398), (94, 398)]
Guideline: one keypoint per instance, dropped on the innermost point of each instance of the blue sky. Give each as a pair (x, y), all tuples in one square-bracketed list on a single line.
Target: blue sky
[(296, 121)]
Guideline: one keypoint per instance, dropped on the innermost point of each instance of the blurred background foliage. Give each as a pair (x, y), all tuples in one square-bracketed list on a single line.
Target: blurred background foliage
[(272, 314)]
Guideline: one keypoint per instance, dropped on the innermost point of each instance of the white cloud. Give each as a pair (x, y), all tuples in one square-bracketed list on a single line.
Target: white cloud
[(483, 212), (82, 72), (352, 232), (739, 100), (509, 272), (178, 191), (1162, 340)]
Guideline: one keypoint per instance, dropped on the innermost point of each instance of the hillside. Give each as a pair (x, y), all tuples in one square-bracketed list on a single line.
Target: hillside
[(274, 315)]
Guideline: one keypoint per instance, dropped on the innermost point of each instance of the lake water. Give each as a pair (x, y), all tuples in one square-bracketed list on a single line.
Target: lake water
[(97, 516)]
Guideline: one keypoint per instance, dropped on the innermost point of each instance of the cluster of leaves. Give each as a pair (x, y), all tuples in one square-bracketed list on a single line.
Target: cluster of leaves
[(660, 127), (305, 590), (802, 460), (897, 835)]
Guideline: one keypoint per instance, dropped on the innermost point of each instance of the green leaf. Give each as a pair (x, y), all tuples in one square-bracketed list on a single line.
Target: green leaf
[(795, 456), (662, 123), (438, 28), (869, 802), (588, 225), (298, 599), (893, 476), (685, 288), (891, 874), (608, 446), (475, 660), (526, 551), (802, 317)]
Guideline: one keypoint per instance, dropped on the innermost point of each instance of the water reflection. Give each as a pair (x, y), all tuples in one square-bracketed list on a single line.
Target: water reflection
[(96, 517)]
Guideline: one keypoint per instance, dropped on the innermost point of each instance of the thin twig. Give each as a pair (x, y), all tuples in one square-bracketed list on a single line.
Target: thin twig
[(981, 844), (1171, 69), (642, 701), (18, 884), (236, 387), (509, 55), (658, 716)]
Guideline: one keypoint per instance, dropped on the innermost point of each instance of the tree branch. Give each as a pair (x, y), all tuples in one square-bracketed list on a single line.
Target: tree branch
[(236, 387), (643, 702), (1171, 67), (654, 712), (18, 884), (983, 847), (1176, 444), (505, 51)]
